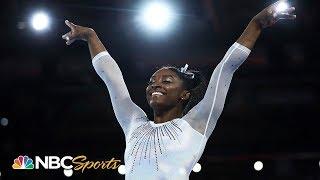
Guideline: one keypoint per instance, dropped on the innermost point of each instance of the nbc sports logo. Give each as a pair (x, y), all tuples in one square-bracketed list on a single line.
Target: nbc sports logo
[(49, 162), (22, 162), (54, 162)]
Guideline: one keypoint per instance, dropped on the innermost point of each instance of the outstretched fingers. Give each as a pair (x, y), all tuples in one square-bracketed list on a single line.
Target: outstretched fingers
[(69, 36), (290, 10), (70, 25), (278, 10), (66, 36), (287, 14), (70, 41)]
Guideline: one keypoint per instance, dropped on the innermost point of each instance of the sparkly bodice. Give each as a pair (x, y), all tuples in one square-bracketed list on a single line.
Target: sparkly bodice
[(162, 151), (167, 150)]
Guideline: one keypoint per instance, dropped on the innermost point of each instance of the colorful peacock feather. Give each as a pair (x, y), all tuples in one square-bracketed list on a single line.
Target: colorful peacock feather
[(22, 162)]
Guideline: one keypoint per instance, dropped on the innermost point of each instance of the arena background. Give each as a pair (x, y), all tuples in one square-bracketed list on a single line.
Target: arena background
[(55, 103)]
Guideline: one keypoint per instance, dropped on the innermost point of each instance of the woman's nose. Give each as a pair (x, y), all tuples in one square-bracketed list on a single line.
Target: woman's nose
[(155, 85)]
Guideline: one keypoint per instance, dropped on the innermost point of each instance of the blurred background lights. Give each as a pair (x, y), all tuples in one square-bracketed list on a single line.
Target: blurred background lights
[(40, 21), (197, 168), (21, 25), (157, 16), (122, 169), (4, 121), (282, 6), (258, 166), (68, 172)]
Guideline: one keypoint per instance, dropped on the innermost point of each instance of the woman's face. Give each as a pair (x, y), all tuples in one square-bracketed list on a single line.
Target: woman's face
[(165, 90)]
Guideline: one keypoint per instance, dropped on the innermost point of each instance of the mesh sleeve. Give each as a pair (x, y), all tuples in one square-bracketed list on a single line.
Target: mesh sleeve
[(126, 111), (203, 117)]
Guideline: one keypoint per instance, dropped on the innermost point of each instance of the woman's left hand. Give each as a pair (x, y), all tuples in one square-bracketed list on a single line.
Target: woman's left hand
[(270, 15)]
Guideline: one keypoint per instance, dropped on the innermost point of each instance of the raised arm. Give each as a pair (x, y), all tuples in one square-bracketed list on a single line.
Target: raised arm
[(126, 111), (266, 18), (203, 117)]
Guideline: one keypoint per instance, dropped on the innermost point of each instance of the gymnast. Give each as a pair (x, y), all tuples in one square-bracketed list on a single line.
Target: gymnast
[(185, 107)]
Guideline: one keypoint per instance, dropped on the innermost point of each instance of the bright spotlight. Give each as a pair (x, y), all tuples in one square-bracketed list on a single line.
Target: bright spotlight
[(197, 168), (4, 121), (157, 16), (68, 172), (258, 166), (122, 169), (40, 21), (282, 6)]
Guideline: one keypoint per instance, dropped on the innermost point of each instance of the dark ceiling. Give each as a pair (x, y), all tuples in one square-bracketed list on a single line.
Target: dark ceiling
[(57, 105)]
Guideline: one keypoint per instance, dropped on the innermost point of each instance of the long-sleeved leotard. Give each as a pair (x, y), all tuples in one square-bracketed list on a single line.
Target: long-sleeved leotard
[(167, 150)]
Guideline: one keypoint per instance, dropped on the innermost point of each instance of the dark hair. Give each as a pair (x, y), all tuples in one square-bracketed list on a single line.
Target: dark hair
[(197, 86)]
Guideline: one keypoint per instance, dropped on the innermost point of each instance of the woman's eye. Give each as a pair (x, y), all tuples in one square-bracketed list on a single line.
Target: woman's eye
[(166, 81)]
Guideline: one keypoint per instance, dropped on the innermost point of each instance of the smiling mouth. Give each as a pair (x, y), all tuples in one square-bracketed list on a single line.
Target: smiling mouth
[(157, 94)]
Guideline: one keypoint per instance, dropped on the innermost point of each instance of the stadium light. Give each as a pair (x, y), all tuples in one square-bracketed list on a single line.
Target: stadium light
[(40, 21), (197, 168), (4, 121), (282, 6), (157, 16), (68, 172), (122, 169), (258, 166)]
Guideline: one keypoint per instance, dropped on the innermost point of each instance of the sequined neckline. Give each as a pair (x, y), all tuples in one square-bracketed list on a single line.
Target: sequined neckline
[(148, 141), (164, 123)]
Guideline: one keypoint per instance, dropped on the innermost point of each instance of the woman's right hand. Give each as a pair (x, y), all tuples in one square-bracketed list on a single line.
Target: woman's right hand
[(77, 33), (269, 16)]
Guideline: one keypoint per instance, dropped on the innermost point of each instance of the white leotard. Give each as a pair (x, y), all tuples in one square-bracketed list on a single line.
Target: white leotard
[(167, 150)]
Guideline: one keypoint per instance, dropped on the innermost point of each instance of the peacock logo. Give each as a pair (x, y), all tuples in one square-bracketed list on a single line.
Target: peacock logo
[(22, 162)]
